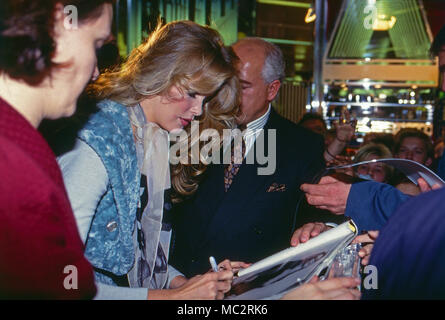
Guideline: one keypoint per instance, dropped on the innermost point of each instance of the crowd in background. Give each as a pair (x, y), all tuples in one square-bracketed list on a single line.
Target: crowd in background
[(407, 143)]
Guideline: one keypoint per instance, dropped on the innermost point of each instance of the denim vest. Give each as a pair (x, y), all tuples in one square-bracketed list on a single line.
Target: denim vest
[(109, 246)]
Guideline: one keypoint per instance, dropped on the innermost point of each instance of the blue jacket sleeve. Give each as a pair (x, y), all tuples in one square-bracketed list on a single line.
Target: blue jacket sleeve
[(370, 204)]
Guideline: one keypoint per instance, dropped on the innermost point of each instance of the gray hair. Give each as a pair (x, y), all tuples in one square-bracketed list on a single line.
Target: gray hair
[(274, 65)]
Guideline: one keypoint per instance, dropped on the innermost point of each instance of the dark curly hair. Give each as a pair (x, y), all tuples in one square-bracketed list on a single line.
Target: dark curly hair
[(26, 35)]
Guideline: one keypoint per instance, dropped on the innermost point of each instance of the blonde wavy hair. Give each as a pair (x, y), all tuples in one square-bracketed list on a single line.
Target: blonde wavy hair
[(194, 59), (377, 150)]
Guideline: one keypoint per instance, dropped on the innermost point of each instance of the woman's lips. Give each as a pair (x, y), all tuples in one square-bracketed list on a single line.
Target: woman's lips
[(185, 122)]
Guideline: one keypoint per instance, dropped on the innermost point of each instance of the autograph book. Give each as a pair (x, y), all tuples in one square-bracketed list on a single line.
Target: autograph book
[(279, 273)]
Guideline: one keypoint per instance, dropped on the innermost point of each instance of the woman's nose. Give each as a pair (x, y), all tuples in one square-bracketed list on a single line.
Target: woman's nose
[(197, 106)]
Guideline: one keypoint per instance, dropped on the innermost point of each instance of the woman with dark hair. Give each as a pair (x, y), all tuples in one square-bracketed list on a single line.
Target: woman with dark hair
[(46, 59)]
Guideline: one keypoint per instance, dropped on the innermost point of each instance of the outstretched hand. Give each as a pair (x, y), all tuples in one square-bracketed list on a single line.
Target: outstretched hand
[(329, 194)]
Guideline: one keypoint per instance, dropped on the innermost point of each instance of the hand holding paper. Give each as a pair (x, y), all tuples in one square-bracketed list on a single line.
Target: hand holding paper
[(425, 187), (332, 289), (309, 230), (367, 240)]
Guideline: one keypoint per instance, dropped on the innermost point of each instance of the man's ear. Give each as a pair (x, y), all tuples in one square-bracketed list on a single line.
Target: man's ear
[(59, 19), (59, 15), (272, 89)]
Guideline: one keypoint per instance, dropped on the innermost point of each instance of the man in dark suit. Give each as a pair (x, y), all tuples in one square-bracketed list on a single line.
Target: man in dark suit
[(254, 216)]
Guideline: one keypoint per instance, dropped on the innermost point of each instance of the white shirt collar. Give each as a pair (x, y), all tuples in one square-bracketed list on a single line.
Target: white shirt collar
[(259, 123)]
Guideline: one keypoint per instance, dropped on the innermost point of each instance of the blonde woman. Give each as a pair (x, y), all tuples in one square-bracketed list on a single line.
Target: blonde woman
[(118, 174), (378, 171)]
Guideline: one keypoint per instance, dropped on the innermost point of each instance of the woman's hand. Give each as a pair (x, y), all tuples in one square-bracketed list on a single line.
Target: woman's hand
[(209, 286), (212, 285), (233, 266), (331, 289)]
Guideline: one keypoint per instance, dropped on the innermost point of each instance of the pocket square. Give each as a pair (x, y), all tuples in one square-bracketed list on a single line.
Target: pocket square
[(275, 187)]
